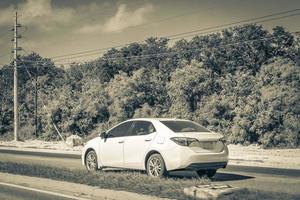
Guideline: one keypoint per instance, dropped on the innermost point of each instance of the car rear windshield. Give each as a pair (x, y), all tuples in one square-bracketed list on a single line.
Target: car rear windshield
[(183, 126)]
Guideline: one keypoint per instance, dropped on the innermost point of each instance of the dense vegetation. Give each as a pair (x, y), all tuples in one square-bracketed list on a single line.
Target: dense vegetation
[(243, 82)]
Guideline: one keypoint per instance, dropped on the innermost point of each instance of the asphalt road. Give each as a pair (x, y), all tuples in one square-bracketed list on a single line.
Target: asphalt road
[(267, 179), (13, 193)]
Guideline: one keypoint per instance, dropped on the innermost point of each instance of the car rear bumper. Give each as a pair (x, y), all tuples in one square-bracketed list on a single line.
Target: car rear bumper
[(184, 158), (213, 165)]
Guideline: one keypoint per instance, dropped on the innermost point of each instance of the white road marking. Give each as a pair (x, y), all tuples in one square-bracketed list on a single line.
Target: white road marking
[(42, 191)]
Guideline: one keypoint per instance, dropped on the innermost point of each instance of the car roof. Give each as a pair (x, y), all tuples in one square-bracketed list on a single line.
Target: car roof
[(150, 120)]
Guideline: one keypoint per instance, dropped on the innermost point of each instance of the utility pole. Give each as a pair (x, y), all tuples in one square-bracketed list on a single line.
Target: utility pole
[(36, 102), (16, 49)]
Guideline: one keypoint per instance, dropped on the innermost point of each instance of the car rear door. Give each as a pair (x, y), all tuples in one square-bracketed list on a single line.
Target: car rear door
[(111, 147), (136, 145)]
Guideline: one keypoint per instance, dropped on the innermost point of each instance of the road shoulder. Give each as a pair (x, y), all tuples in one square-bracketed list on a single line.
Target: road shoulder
[(239, 155), (74, 189)]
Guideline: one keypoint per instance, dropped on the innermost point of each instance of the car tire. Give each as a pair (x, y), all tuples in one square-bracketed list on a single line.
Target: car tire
[(91, 162), (156, 166), (209, 173)]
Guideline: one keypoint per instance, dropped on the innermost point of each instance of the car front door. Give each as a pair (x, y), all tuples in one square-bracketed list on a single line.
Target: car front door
[(111, 147), (136, 145)]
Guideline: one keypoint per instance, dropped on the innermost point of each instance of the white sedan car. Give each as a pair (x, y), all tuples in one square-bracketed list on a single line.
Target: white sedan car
[(157, 146)]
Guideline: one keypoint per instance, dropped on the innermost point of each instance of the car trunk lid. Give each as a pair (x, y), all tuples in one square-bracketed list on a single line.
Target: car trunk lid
[(206, 141)]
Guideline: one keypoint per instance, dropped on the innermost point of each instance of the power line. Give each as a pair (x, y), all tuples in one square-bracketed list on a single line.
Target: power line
[(158, 55), (9, 53), (236, 23), (89, 51), (176, 52), (153, 22), (5, 44), (10, 60), (241, 42), (194, 32), (167, 18), (4, 55), (7, 32), (172, 52), (37, 70), (266, 20), (47, 110)]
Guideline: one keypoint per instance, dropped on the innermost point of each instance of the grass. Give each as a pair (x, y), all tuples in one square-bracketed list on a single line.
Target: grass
[(130, 181)]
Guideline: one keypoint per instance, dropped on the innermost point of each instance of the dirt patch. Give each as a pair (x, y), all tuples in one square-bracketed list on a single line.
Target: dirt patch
[(39, 144), (253, 155)]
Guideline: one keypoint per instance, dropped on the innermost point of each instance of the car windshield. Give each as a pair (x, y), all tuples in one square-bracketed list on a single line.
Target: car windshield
[(183, 126)]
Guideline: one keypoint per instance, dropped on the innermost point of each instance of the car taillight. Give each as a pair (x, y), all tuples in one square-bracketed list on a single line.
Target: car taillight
[(184, 141)]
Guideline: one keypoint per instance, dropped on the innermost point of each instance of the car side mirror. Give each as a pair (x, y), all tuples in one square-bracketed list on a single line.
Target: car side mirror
[(102, 135)]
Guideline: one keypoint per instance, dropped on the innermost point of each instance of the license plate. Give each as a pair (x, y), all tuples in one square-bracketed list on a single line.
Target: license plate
[(207, 145)]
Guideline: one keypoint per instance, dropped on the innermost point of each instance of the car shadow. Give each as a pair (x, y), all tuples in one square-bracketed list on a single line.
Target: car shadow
[(183, 174), (117, 170), (190, 175), (230, 177), (218, 177)]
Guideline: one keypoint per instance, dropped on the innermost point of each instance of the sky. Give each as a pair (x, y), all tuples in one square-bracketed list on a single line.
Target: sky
[(58, 27)]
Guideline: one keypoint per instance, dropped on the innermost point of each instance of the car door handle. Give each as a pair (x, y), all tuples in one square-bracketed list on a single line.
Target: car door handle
[(121, 142), (148, 140)]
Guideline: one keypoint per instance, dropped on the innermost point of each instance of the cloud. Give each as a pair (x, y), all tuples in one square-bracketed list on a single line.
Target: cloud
[(84, 18), (125, 18), (33, 9), (6, 15), (39, 13), (90, 28)]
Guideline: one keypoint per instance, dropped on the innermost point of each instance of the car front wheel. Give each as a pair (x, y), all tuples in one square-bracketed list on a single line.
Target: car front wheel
[(91, 161), (156, 166), (209, 173)]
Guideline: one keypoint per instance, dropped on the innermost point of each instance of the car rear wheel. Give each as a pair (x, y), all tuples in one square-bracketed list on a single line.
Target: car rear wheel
[(91, 163), (156, 166), (209, 173)]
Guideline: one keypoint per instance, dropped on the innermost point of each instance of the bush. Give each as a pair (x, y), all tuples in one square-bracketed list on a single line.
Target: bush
[(26, 132)]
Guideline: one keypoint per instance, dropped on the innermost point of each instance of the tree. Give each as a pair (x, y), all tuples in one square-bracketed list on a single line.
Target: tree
[(187, 87), (280, 104)]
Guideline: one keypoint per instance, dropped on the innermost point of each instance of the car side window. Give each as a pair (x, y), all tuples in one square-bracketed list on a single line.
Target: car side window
[(121, 130), (142, 128)]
